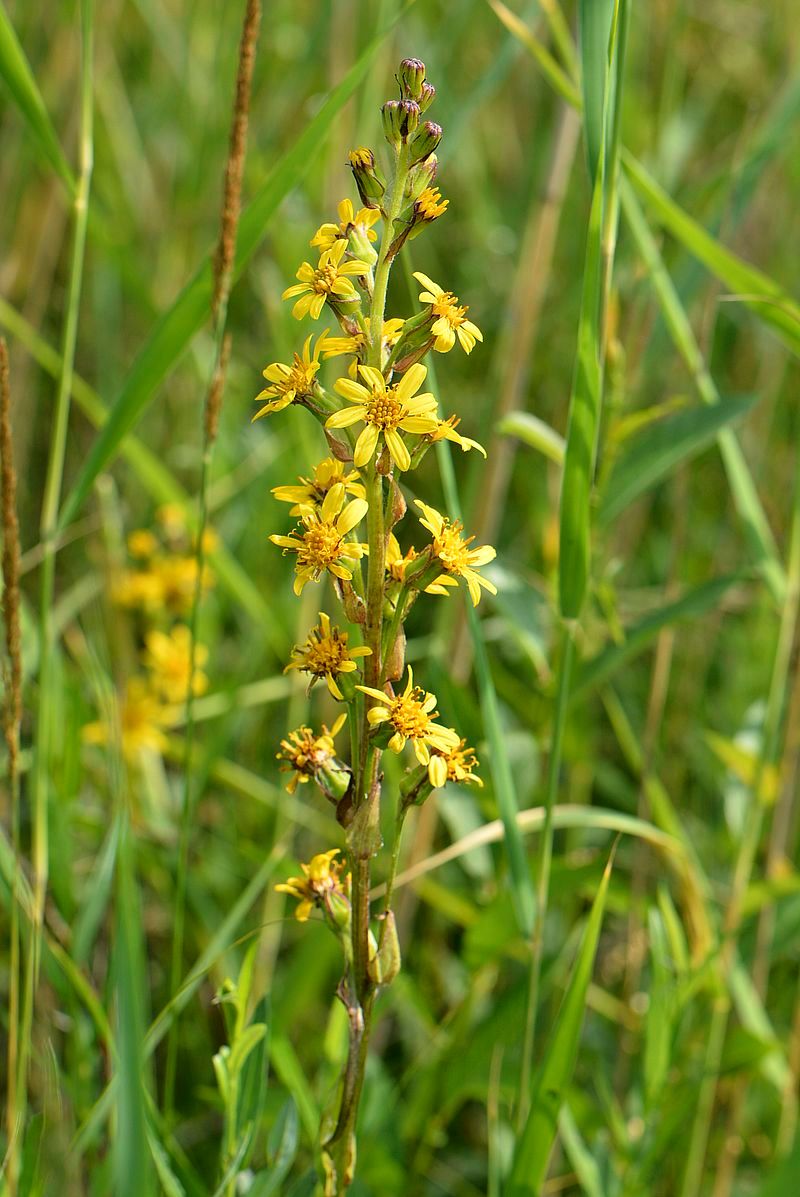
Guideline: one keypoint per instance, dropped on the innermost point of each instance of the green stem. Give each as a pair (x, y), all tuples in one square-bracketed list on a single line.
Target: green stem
[(49, 523), (543, 868)]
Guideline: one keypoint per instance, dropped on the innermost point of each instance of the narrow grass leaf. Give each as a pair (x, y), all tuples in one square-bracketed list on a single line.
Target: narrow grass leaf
[(281, 1152), (580, 1157), (20, 81), (534, 432), (533, 1148), (178, 325), (692, 605), (555, 75), (290, 1071), (594, 28), (766, 298), (657, 450)]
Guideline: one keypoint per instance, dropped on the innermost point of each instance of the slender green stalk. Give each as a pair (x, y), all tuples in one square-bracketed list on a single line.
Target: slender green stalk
[(543, 867), (49, 522)]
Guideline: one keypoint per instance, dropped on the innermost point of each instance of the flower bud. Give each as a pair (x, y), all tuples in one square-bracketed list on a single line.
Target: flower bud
[(412, 77), (390, 112), (368, 179), (409, 118), (389, 959), (424, 141), (426, 96), (333, 778), (338, 911)]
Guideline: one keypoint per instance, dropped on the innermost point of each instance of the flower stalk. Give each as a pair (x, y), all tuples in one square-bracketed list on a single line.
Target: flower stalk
[(387, 422)]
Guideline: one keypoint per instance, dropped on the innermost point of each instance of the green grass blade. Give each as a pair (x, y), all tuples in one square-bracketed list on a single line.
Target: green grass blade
[(534, 432), (594, 28), (533, 1148), (694, 603), (751, 512), (769, 301), (555, 75), (579, 1155), (20, 81), (661, 447), (176, 327)]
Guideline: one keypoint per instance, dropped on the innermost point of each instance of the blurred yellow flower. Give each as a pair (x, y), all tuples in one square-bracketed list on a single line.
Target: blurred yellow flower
[(411, 716), (330, 280), (454, 554), (456, 763), (142, 543), (321, 544), (321, 881), (451, 317), (138, 726), (325, 654), (386, 411), (167, 656), (307, 753)]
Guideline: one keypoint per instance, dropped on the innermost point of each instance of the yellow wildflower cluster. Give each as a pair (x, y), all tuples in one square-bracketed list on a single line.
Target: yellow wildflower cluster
[(379, 419), (164, 578)]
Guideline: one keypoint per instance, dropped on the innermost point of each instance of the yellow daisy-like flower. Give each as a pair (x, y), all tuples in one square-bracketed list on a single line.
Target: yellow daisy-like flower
[(454, 554), (357, 344), (306, 753), (325, 654), (451, 317), (321, 881), (141, 717), (411, 716), (168, 657), (330, 280), (287, 383), (328, 234), (447, 430), (398, 563), (311, 492), (429, 204), (455, 764), (321, 544), (386, 411)]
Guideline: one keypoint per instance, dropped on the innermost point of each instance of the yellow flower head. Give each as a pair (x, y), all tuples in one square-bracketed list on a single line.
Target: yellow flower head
[(385, 411), (310, 494), (411, 716), (306, 753), (330, 280), (328, 234), (142, 543), (326, 654), (398, 562), (321, 882), (450, 318), (447, 430), (168, 657), (357, 344), (137, 727), (287, 383), (454, 764), (321, 544), (429, 205), (454, 554)]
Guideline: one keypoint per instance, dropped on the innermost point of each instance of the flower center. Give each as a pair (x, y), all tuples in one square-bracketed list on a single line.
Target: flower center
[(408, 717), (384, 410), (451, 549), (325, 656), (447, 306), (323, 280), (321, 541)]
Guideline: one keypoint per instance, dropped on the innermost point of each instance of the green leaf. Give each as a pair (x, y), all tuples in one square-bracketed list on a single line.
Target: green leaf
[(770, 302), (178, 325), (281, 1151), (594, 27), (20, 81), (533, 1147), (534, 432), (690, 605), (658, 449)]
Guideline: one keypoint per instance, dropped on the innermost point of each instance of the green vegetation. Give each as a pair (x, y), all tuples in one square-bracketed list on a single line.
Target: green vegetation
[(599, 986)]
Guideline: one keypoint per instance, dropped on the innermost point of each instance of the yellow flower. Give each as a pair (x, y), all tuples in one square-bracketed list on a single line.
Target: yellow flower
[(321, 882), (328, 281), (168, 659), (142, 543), (454, 764), (337, 346), (306, 753), (326, 654), (386, 411), (398, 563), (311, 492), (446, 430), (454, 554), (320, 543), (288, 383), (411, 716), (177, 577), (137, 726), (328, 234), (429, 205), (451, 318)]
